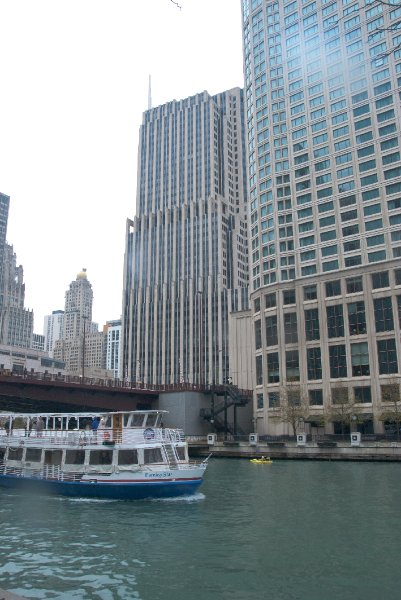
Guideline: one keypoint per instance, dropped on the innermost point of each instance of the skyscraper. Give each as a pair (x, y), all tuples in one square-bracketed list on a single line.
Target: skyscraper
[(322, 82), (81, 345), (186, 262), (53, 329)]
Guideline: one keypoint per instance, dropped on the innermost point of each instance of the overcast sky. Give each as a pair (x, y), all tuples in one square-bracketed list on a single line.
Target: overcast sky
[(74, 84)]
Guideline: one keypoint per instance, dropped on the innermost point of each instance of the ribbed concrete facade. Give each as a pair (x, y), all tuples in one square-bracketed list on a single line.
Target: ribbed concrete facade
[(186, 263), (322, 84)]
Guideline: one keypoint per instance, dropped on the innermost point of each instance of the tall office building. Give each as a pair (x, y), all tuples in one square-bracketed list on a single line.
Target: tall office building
[(186, 262), (81, 346), (4, 208), (53, 329), (112, 332), (16, 322), (322, 82)]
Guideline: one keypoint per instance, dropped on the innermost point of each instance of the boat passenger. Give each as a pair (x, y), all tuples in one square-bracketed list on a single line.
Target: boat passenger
[(39, 426)]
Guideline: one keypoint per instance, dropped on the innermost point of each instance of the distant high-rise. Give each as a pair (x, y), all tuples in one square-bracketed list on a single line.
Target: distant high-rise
[(53, 329), (186, 263), (113, 347), (322, 82), (4, 208), (81, 346)]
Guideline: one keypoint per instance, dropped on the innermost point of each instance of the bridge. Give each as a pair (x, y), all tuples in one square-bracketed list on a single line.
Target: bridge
[(44, 392)]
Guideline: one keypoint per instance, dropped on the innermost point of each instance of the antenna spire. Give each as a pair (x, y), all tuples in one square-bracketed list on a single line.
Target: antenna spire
[(150, 93)]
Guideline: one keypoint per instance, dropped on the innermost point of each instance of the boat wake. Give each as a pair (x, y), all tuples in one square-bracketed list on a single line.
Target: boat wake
[(188, 499)]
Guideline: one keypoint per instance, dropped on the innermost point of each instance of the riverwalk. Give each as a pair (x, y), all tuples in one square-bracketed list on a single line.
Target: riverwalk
[(330, 448)]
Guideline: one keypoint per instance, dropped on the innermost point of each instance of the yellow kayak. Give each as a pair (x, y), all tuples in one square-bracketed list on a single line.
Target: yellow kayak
[(261, 461)]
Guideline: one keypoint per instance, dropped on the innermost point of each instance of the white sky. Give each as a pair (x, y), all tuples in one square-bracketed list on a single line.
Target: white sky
[(74, 84)]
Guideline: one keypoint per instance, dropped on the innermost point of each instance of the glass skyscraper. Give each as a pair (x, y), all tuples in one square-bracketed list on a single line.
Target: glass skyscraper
[(322, 87), (186, 260)]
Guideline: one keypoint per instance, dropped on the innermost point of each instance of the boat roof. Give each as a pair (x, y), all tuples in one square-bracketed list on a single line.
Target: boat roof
[(82, 414)]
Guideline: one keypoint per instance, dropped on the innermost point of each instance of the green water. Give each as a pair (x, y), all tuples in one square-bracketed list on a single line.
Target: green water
[(289, 531)]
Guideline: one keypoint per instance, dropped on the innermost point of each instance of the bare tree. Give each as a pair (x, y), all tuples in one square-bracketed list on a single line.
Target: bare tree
[(293, 405), (392, 398), (342, 410)]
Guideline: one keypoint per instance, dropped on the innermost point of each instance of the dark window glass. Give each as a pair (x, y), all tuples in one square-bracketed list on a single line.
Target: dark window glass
[(259, 400), (383, 314), (74, 457), (312, 327), (333, 288), (256, 304), (310, 292), (292, 365), (290, 328), (127, 457), (273, 368), (270, 300), (314, 361), (360, 359), (352, 245), (335, 321), (259, 370), (101, 457), (274, 399), (387, 356), (316, 397), (258, 334), (363, 395), (354, 284), (271, 331), (356, 318), (338, 361), (399, 310), (289, 296), (397, 274), (380, 280)]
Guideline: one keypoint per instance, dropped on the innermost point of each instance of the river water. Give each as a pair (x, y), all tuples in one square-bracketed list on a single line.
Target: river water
[(292, 530)]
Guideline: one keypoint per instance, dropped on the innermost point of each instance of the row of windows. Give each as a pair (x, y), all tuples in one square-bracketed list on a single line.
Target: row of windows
[(338, 363), (378, 280)]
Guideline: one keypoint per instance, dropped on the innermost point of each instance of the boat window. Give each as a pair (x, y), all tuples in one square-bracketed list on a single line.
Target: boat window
[(107, 421), (151, 420), (126, 419), (33, 455), (74, 457), (152, 455), (101, 457), (128, 457), (181, 452), (2, 453), (53, 457), (15, 453), (137, 420)]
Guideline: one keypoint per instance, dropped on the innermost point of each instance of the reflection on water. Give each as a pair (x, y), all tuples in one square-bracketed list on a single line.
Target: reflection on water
[(287, 531)]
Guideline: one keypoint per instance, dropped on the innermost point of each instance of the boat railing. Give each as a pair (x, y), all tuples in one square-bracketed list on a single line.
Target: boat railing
[(83, 437)]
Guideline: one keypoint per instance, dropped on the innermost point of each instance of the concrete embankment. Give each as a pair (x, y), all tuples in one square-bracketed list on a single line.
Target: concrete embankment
[(9, 596), (372, 451)]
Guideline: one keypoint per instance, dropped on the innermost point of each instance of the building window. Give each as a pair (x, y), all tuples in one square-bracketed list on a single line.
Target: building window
[(387, 355), (314, 360), (270, 300), (333, 288), (354, 285), (397, 274), (292, 365), (259, 370), (360, 359), (338, 361), (383, 314), (274, 399), (363, 395), (258, 334), (380, 280), (356, 318), (312, 327), (256, 305), (290, 328), (273, 368), (271, 331), (288, 297), (259, 400), (316, 397), (335, 321), (310, 292)]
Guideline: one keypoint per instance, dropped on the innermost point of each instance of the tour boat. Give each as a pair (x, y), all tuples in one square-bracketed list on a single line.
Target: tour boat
[(117, 455)]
